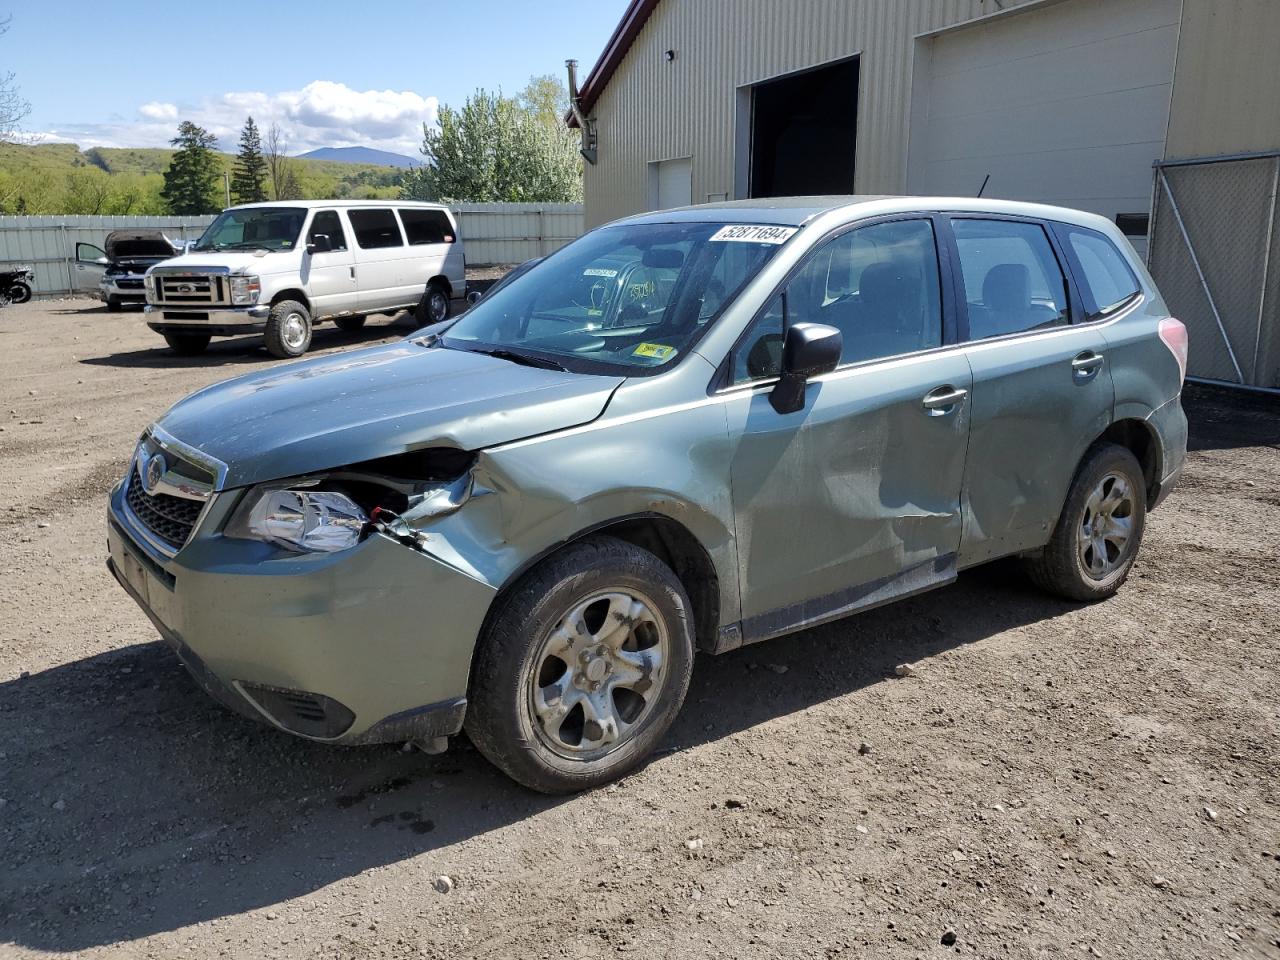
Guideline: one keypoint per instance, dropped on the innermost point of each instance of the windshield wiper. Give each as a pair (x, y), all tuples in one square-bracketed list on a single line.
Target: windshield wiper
[(522, 358)]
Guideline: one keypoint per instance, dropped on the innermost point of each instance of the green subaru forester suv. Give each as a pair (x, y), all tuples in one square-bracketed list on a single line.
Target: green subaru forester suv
[(699, 428)]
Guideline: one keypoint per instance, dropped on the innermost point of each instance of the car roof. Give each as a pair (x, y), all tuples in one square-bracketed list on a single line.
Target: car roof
[(797, 211), (329, 204)]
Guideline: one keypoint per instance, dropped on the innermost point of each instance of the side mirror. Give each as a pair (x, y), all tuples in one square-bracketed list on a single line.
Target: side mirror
[(810, 349), (319, 243)]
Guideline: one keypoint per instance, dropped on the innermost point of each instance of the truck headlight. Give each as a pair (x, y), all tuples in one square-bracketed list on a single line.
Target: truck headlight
[(309, 521), (245, 290)]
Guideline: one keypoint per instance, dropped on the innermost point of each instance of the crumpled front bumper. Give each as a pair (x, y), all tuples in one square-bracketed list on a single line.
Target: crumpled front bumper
[(369, 645)]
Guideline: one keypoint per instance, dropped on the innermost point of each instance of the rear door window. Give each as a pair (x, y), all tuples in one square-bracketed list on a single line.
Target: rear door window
[(426, 226), (1012, 279), (328, 222), (375, 229), (1106, 281)]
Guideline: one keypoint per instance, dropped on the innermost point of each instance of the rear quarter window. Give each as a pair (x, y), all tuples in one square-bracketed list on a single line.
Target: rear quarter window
[(1106, 281), (426, 226), (375, 228)]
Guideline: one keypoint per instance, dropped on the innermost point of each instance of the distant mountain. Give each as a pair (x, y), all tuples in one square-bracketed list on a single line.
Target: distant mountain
[(363, 155)]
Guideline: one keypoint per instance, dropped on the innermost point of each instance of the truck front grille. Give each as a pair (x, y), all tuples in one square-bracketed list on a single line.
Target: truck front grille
[(191, 289)]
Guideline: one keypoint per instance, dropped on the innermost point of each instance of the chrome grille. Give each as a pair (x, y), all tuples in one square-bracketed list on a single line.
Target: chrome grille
[(166, 492), (183, 289)]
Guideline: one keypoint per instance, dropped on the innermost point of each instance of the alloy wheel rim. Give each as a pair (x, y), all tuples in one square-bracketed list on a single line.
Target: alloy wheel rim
[(1106, 527), (438, 307), (598, 675), (294, 330)]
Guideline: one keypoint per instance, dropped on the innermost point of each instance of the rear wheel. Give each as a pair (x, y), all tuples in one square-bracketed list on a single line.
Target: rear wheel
[(187, 344), (288, 332), (1098, 534), (434, 306), (349, 324), (19, 292), (582, 670)]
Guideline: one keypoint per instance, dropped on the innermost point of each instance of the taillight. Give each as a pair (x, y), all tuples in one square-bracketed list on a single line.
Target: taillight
[(1173, 333)]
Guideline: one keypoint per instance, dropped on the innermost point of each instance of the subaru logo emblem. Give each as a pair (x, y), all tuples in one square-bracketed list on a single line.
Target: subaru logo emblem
[(153, 473)]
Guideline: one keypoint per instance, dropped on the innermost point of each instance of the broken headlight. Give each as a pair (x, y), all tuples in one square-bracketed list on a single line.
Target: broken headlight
[(310, 521)]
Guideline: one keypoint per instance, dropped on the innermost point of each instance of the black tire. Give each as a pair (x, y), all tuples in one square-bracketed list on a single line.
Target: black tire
[(349, 324), (187, 344), (288, 332), (433, 307), (512, 658), (19, 292), (113, 304), (1079, 540)]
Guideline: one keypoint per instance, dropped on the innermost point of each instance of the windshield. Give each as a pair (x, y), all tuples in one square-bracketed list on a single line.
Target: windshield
[(255, 228), (621, 299)]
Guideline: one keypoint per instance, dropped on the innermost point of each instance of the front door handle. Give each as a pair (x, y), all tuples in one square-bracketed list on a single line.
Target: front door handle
[(940, 401), (1085, 366)]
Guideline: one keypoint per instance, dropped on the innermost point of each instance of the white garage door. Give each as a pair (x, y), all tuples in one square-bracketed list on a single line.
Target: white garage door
[(1065, 104), (670, 183)]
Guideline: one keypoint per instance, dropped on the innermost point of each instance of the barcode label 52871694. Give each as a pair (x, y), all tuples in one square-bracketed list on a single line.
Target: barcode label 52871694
[(751, 233)]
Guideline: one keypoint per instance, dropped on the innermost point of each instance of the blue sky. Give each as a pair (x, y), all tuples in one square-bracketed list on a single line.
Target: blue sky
[(357, 72)]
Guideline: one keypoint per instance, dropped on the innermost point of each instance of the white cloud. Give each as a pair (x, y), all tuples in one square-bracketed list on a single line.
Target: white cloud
[(155, 110), (321, 114)]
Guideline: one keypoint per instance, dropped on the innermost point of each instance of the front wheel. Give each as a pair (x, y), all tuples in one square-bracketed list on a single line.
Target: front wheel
[(187, 344), (288, 332), (581, 671), (1098, 534), (19, 292), (113, 304), (434, 306)]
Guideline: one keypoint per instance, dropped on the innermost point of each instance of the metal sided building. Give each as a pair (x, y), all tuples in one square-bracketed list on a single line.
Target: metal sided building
[(1163, 115)]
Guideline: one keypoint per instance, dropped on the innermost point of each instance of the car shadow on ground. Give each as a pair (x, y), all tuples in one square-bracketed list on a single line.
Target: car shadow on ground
[(1225, 418), (135, 805), (224, 351)]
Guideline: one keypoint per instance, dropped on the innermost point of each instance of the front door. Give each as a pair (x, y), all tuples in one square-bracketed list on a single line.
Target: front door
[(1041, 384), (90, 264), (330, 276), (855, 499)]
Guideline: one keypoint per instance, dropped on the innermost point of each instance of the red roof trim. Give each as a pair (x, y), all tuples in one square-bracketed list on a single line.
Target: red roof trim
[(624, 34)]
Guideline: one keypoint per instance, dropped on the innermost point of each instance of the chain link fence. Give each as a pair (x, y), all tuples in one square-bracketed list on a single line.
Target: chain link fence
[(1215, 252)]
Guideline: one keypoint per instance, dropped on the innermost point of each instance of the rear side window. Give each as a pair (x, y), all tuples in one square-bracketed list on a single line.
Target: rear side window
[(426, 226), (375, 229), (328, 223), (1106, 280), (1013, 282)]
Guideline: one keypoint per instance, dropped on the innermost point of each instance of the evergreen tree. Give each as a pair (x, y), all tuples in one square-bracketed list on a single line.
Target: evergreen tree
[(191, 182), (249, 174)]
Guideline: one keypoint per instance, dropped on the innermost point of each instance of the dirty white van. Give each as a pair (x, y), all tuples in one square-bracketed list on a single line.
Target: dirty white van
[(280, 268)]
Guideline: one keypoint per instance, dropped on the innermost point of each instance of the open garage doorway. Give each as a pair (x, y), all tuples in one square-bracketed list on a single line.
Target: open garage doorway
[(804, 129)]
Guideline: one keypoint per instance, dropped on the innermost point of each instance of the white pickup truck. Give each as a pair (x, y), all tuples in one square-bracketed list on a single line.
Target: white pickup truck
[(280, 268)]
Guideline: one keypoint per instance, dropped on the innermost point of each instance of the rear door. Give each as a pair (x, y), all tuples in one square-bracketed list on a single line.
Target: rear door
[(855, 499), (89, 266), (379, 254), (330, 276), (1041, 382)]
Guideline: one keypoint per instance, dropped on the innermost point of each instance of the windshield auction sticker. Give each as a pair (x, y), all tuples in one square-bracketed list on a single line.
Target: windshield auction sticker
[(656, 351), (749, 233)]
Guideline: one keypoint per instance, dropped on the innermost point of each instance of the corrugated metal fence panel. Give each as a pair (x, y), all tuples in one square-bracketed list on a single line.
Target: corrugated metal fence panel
[(655, 109), (492, 232), (515, 232), (48, 244)]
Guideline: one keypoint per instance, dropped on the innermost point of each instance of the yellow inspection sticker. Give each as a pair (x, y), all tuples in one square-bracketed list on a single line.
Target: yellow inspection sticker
[(658, 351)]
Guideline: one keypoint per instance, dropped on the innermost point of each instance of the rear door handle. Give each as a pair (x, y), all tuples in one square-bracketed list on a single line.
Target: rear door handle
[(1086, 365), (940, 401)]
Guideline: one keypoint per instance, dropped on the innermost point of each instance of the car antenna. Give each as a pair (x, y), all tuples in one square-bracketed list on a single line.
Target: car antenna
[(985, 181)]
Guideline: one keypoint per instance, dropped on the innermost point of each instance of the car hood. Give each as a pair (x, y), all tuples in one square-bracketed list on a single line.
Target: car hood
[(138, 244), (333, 411)]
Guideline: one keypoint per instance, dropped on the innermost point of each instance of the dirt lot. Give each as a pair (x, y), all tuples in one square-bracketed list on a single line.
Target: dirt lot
[(1055, 781)]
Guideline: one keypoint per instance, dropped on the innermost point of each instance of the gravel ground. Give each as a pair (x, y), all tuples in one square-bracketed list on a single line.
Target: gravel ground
[(1055, 780)]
